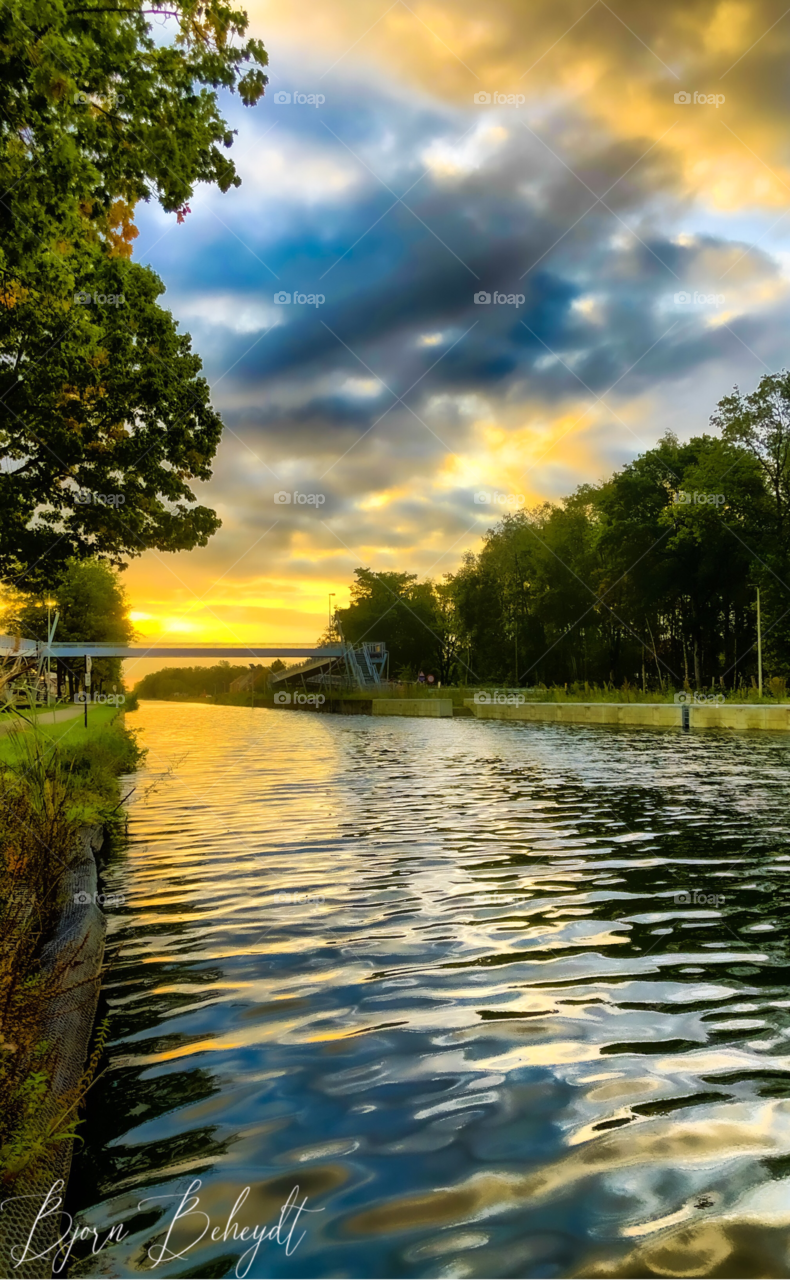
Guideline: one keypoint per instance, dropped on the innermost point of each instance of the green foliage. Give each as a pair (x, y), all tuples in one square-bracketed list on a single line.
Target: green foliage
[(91, 602), (97, 112), (109, 420), (105, 109), (173, 683), (50, 790), (631, 582), (414, 619)]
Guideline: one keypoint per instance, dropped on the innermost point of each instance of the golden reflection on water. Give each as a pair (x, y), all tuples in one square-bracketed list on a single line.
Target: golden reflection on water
[(486, 1037)]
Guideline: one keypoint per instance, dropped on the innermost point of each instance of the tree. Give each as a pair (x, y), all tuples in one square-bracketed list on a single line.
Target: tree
[(396, 609), (97, 113), (629, 577), (107, 428), (758, 424), (92, 606), (103, 113)]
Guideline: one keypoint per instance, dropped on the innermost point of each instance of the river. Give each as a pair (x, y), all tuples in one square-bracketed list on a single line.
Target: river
[(441, 977)]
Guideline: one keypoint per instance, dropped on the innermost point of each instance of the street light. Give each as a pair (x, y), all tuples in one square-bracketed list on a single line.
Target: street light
[(759, 648), (50, 605), (331, 594)]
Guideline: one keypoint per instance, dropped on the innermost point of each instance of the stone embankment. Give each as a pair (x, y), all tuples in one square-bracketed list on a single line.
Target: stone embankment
[(652, 715), (664, 715), (77, 945)]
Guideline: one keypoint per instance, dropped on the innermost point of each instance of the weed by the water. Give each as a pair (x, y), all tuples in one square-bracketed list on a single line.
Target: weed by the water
[(49, 789)]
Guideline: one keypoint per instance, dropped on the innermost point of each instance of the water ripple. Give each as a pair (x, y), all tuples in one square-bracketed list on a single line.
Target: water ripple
[(501, 999)]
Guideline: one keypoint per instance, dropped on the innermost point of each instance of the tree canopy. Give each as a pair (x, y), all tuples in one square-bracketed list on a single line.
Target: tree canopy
[(101, 396), (649, 576)]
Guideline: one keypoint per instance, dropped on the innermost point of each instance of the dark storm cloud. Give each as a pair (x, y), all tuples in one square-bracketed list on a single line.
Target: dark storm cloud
[(400, 305)]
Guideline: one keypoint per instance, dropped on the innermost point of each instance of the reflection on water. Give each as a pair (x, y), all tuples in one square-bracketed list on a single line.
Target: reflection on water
[(435, 974)]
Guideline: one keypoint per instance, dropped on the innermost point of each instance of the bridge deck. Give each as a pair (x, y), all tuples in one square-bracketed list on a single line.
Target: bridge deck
[(80, 649)]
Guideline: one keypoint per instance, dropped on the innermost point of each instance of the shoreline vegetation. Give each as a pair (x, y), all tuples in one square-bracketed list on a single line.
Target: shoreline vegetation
[(57, 782), (460, 693)]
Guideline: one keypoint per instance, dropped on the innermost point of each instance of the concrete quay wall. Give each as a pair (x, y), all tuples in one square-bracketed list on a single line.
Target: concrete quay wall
[(665, 715), (413, 707)]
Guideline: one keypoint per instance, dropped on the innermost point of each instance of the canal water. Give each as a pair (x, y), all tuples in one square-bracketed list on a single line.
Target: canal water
[(498, 999)]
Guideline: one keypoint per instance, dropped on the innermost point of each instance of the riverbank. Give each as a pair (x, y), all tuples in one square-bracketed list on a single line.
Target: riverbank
[(661, 715), (762, 713), (687, 715), (59, 799)]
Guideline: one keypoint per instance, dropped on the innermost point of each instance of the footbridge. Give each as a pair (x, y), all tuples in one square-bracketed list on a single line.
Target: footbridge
[(342, 664), (11, 646)]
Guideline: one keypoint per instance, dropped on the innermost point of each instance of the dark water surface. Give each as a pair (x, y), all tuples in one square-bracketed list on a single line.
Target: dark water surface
[(489, 1043)]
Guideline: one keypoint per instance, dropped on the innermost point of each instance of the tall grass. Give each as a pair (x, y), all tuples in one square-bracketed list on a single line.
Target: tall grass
[(49, 789)]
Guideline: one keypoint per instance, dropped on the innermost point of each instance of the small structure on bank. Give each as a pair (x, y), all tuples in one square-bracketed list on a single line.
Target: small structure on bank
[(357, 667)]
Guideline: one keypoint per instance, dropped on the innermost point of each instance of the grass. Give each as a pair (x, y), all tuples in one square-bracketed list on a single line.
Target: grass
[(62, 734), (54, 779)]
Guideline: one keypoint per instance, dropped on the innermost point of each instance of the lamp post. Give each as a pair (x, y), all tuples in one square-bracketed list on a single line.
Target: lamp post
[(331, 594), (50, 604), (759, 648)]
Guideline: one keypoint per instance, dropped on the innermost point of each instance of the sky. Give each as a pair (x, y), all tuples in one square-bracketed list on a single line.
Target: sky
[(614, 178)]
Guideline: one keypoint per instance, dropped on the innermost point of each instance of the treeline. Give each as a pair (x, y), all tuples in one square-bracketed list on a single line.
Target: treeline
[(649, 577), (172, 683)]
